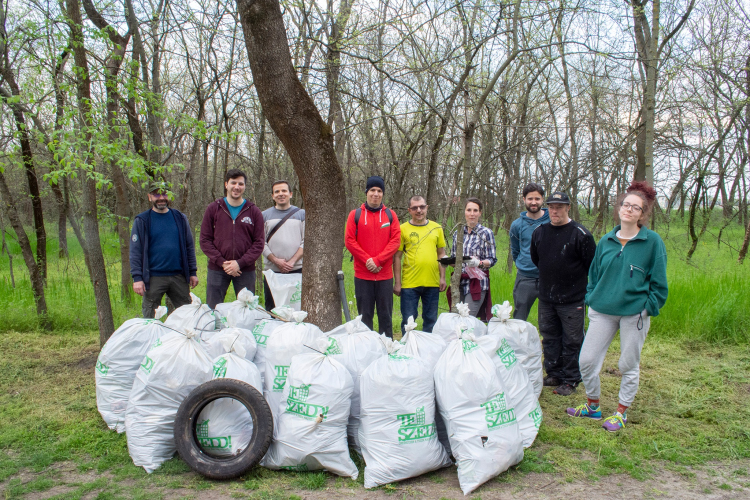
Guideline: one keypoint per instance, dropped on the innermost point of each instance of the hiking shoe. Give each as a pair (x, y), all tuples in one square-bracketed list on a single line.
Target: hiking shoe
[(615, 422), (586, 411), (565, 390), (551, 381)]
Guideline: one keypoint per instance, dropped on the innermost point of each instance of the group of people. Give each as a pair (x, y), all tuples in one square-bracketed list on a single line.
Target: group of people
[(622, 279), (234, 234)]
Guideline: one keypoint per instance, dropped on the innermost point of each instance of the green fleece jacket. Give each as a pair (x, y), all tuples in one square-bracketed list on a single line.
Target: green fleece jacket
[(625, 280)]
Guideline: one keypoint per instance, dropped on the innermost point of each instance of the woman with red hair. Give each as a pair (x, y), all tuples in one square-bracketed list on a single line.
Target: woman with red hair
[(627, 286)]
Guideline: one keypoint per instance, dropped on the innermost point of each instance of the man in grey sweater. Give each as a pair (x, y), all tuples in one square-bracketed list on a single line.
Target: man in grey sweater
[(285, 236)]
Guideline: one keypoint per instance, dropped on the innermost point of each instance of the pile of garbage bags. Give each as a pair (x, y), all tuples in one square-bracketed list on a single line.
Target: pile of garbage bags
[(467, 392)]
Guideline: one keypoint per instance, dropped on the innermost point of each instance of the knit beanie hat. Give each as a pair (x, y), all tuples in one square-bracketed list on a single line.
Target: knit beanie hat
[(375, 181)]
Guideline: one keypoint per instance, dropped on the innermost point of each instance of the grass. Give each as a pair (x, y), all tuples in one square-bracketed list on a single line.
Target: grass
[(689, 410)]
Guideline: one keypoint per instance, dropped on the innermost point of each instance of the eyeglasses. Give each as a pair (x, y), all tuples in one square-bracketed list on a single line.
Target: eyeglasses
[(418, 207), (159, 195), (632, 208)]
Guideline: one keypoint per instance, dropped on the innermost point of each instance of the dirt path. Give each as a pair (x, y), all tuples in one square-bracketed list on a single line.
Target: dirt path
[(709, 482)]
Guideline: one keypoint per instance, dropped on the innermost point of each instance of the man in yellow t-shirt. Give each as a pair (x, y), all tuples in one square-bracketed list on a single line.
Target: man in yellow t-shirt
[(415, 266)]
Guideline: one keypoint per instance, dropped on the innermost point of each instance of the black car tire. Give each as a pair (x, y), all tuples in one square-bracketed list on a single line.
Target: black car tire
[(186, 437)]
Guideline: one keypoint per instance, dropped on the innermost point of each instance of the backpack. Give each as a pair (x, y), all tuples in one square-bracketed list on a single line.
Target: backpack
[(358, 214)]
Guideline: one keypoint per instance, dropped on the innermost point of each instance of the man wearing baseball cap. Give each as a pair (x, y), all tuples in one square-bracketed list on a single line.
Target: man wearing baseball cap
[(562, 250), (162, 253), (373, 235)]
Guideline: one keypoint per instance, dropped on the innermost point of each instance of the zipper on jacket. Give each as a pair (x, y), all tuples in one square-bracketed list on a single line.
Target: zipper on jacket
[(621, 249), (635, 267)]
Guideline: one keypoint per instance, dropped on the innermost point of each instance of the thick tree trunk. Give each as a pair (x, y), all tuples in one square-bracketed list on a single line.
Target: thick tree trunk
[(97, 266), (309, 142)]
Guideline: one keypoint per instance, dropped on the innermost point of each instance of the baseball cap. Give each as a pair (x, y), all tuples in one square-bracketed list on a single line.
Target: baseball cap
[(558, 197), (158, 186)]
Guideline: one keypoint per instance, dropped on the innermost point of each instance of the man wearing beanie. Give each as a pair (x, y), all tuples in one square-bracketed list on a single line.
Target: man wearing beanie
[(373, 235)]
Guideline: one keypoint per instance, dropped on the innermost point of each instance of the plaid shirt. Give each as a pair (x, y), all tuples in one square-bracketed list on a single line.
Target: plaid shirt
[(479, 243)]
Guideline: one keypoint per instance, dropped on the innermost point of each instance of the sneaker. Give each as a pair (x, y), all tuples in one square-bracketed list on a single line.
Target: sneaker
[(565, 390), (615, 422), (586, 411), (551, 381)]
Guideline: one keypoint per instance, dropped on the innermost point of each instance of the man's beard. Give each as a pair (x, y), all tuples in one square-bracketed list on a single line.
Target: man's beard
[(156, 204), (533, 210)]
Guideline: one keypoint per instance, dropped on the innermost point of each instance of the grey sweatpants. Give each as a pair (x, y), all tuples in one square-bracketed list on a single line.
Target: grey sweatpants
[(602, 330), (474, 305)]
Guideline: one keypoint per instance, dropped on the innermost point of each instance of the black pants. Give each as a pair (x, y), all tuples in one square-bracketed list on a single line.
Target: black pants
[(375, 293), (561, 327), (525, 292), (268, 296), (217, 284), (176, 288)]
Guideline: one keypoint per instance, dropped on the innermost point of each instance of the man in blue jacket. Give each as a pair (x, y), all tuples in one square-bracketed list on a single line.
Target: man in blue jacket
[(162, 253), (526, 287)]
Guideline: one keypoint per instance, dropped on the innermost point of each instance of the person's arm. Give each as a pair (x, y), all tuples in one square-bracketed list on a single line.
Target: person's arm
[(351, 241), (297, 256), (657, 288), (515, 242), (190, 246), (593, 272), (136, 257), (207, 237), (393, 243), (532, 247), (441, 268), (259, 240), (397, 272), (489, 247), (588, 249)]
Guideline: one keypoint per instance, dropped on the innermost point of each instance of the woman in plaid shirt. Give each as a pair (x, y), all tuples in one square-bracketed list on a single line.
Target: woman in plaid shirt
[(479, 244)]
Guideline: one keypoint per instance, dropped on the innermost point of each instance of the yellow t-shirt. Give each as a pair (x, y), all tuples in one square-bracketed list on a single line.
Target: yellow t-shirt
[(419, 265)]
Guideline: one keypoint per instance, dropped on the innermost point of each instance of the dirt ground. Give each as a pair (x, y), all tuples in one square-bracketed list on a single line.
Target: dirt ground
[(709, 482)]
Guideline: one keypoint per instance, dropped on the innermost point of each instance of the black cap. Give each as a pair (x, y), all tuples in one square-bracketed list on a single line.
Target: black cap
[(375, 181), (558, 197)]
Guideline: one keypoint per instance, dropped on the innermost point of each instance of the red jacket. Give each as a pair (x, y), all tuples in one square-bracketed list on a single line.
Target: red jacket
[(223, 238), (376, 239)]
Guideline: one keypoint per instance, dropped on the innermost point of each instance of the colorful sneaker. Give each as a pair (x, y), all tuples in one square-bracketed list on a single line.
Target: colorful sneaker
[(615, 422), (586, 411)]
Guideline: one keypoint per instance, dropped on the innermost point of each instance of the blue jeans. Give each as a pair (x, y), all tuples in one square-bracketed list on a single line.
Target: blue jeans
[(430, 296)]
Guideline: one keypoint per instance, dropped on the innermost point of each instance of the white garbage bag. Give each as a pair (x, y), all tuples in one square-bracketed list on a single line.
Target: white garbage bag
[(523, 338), (397, 434), (195, 316), (426, 345), (168, 373), (312, 425), (447, 324), (481, 423), (355, 346), (286, 342), (261, 332), (118, 361), (243, 312), (285, 288), (518, 389), (219, 342), (225, 426)]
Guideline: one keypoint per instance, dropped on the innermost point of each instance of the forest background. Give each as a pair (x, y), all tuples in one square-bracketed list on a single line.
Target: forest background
[(444, 99)]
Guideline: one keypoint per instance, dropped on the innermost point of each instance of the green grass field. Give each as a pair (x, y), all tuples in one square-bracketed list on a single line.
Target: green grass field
[(691, 408)]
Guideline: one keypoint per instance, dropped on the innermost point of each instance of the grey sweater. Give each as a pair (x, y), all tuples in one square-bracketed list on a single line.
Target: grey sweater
[(287, 240)]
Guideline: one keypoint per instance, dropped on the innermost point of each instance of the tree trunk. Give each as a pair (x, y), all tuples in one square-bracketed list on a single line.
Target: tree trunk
[(97, 266), (309, 142), (35, 272)]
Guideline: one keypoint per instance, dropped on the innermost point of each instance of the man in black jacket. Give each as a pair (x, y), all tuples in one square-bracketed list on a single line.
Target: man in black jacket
[(562, 250), (162, 253)]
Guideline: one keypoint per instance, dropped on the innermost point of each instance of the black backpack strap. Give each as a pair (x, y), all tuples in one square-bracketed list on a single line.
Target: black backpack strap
[(357, 215)]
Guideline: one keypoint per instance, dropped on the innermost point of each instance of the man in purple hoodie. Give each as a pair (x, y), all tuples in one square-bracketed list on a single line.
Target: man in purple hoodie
[(232, 237)]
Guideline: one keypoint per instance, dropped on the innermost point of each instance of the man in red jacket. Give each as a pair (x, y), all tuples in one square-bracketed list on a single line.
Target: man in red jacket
[(373, 235), (232, 237)]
